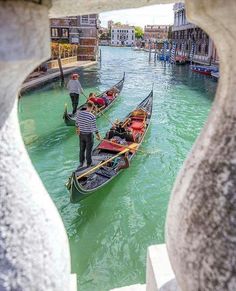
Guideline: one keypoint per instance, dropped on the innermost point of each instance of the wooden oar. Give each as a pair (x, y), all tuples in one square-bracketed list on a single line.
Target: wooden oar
[(108, 119), (107, 161)]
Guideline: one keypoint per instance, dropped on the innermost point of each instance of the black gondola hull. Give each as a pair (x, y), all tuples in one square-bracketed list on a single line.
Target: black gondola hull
[(77, 191)]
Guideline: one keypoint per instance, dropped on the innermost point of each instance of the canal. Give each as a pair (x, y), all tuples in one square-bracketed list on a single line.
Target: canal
[(109, 232)]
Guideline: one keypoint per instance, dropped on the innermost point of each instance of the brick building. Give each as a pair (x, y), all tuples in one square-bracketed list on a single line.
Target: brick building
[(156, 32), (81, 30)]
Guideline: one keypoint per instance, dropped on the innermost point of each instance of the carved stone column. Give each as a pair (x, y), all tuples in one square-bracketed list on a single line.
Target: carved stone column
[(34, 253), (201, 222)]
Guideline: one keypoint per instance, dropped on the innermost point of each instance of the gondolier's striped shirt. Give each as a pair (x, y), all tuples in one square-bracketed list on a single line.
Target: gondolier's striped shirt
[(86, 122)]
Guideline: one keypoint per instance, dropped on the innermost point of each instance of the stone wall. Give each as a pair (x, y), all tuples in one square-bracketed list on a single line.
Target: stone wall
[(64, 61), (200, 229)]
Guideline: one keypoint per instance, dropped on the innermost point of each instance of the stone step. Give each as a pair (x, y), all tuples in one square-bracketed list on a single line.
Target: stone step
[(159, 272), (136, 287)]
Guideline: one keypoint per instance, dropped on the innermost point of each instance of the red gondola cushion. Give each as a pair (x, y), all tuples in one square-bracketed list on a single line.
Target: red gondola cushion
[(137, 125)]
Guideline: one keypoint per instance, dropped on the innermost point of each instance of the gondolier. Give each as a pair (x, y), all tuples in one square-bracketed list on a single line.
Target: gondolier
[(75, 89), (86, 127)]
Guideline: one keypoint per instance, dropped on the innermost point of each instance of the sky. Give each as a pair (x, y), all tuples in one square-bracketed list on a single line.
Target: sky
[(155, 14)]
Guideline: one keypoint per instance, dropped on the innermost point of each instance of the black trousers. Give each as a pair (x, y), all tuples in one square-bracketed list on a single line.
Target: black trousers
[(75, 101), (86, 144)]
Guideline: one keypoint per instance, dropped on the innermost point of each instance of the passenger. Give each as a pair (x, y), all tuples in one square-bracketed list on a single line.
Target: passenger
[(106, 99), (110, 93), (121, 131), (92, 97), (96, 100), (100, 101), (120, 163), (124, 163)]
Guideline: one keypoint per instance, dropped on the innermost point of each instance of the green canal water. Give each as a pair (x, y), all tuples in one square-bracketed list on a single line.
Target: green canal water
[(109, 232)]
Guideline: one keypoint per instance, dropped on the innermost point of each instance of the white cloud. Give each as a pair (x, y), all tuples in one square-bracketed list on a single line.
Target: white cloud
[(155, 14)]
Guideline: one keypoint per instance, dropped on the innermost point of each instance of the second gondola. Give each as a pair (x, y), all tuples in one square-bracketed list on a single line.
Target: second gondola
[(111, 95)]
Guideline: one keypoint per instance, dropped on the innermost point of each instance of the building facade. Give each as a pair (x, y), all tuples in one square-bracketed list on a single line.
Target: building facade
[(190, 40), (81, 30), (122, 35), (156, 32)]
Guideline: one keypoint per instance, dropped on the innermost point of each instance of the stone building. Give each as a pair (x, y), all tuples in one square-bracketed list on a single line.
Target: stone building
[(191, 41), (82, 30), (122, 35), (156, 32)]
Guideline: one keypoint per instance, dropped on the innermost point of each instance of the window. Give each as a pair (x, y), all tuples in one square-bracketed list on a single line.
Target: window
[(92, 21), (199, 48), (64, 32), (54, 32), (84, 19)]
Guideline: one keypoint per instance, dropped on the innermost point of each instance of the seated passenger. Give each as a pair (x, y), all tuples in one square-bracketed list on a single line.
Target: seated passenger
[(120, 162), (119, 130), (124, 163), (110, 93), (106, 99), (100, 101), (96, 100), (92, 97)]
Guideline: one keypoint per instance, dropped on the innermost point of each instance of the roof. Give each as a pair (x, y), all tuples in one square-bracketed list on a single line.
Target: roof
[(122, 27)]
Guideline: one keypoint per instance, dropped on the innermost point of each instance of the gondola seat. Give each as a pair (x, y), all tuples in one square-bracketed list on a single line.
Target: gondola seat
[(137, 125)]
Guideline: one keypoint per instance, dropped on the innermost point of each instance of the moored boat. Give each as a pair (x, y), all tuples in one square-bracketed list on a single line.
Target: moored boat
[(111, 95), (180, 60), (136, 48), (114, 153), (204, 70), (215, 75)]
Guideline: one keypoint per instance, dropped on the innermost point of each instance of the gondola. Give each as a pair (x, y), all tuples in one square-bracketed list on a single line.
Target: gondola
[(204, 70), (111, 94), (113, 153)]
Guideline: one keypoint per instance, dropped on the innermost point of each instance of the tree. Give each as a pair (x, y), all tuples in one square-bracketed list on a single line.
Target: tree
[(138, 32), (117, 23)]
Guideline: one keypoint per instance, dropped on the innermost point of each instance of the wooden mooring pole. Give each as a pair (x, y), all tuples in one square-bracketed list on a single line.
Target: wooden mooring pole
[(155, 54), (149, 51), (61, 70), (59, 64)]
